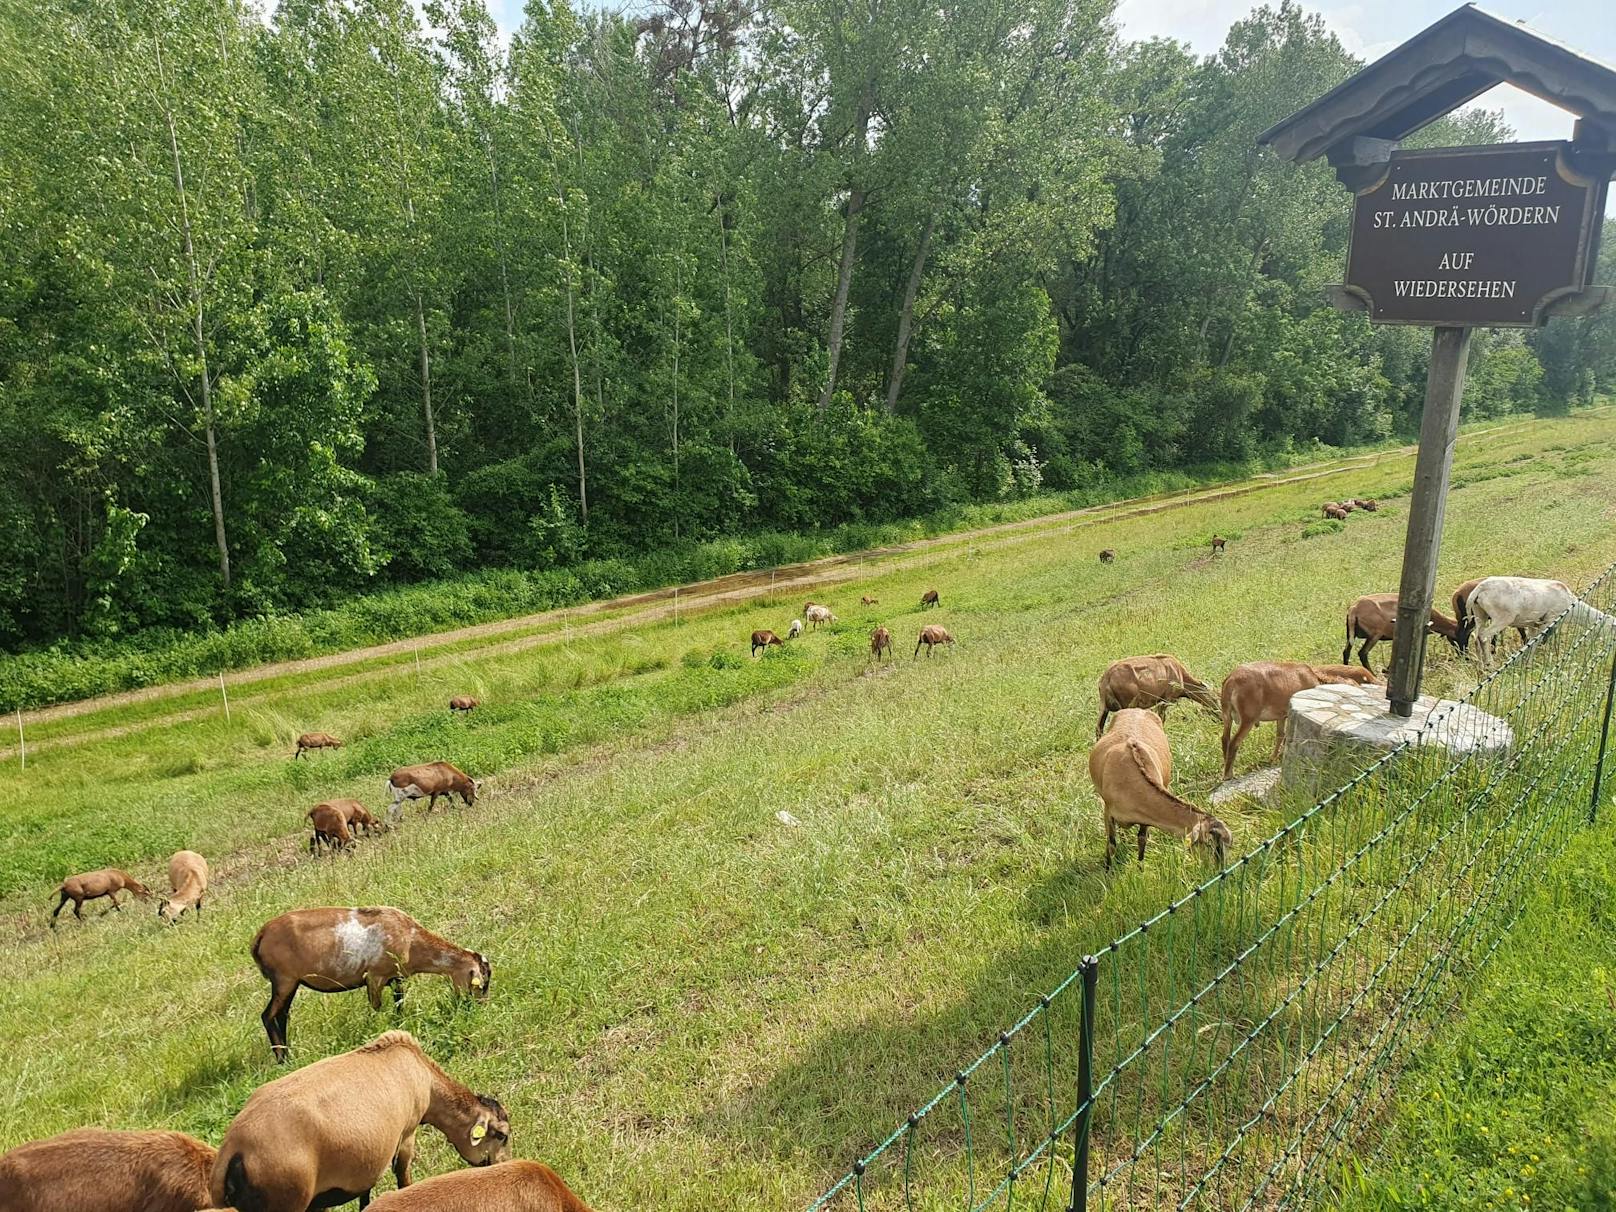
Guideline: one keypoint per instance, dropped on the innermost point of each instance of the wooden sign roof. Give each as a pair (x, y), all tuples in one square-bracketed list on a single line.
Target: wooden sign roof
[(1452, 62)]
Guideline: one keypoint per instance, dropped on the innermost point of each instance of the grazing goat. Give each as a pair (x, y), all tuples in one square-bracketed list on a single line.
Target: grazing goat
[(316, 740), (794, 630), (1107, 556), (428, 782), (929, 598), (513, 1186), (819, 614), (1131, 767), (354, 814), (931, 635), (1461, 614), (1152, 682), (1260, 693), (323, 1135), (880, 643), (93, 885), (463, 702), (866, 600), (338, 950), (330, 828), (762, 639), (1529, 605), (1336, 512), (94, 1170), (1218, 544), (188, 877), (1373, 618)]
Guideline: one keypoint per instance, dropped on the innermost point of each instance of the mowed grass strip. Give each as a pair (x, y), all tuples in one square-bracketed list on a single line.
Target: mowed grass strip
[(694, 1003)]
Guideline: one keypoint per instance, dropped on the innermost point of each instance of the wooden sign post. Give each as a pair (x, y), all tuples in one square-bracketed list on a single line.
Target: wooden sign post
[(1458, 238)]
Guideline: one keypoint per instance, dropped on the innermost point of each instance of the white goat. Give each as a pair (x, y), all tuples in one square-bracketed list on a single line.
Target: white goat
[(819, 614), (1499, 603), (794, 630)]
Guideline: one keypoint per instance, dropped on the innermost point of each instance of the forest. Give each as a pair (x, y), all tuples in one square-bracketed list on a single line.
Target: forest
[(351, 294)]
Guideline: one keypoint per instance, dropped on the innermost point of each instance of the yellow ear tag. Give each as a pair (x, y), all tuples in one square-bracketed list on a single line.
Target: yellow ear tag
[(477, 1133)]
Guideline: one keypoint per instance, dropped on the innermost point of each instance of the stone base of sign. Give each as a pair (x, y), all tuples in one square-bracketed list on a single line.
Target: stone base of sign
[(1334, 730), (1253, 786)]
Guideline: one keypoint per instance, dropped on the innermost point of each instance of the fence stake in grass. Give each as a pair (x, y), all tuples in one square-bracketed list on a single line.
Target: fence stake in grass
[(22, 741), (1085, 1088), (1599, 763), (224, 696)]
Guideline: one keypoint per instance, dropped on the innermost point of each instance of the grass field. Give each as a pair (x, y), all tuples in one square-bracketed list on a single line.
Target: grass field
[(695, 1004)]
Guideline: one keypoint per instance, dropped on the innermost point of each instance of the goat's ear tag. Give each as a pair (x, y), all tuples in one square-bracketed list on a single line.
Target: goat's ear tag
[(477, 1133)]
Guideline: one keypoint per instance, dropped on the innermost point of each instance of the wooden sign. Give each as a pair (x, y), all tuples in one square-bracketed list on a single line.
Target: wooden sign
[(1482, 237)]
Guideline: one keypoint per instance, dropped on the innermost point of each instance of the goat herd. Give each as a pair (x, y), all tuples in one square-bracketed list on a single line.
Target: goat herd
[(324, 1134)]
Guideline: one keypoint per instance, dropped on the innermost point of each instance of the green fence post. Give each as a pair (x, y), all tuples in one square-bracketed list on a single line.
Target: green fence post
[(1604, 737), (1085, 1088)]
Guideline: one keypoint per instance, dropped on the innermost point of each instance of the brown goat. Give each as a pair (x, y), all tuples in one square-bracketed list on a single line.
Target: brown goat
[(762, 639), (513, 1186), (427, 782), (463, 702), (1373, 618), (931, 635), (325, 1134), (1366, 506), (93, 885), (1218, 544), (880, 643), (1131, 767), (1152, 682), (930, 598), (188, 877), (1336, 512), (354, 814), (1260, 693), (330, 828), (338, 950), (866, 600), (316, 740), (94, 1170), (1107, 556)]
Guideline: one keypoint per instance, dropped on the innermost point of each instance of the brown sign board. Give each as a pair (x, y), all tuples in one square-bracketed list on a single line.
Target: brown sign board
[(1483, 237)]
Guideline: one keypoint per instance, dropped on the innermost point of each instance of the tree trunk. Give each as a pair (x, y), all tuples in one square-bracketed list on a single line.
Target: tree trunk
[(426, 387), (844, 274), (906, 318), (198, 334)]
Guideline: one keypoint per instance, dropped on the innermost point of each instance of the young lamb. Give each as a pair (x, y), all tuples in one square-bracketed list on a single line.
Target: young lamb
[(762, 639), (323, 1136), (1152, 682), (463, 702), (1499, 603), (880, 643), (819, 614), (428, 782), (316, 740), (1260, 693), (1107, 556), (330, 828), (1131, 767), (94, 1169), (929, 598), (866, 600), (188, 877), (931, 635), (513, 1186), (1218, 544), (1373, 618), (93, 885), (794, 630), (337, 950)]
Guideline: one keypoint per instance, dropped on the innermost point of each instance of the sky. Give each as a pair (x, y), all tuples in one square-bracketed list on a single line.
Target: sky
[(1370, 28)]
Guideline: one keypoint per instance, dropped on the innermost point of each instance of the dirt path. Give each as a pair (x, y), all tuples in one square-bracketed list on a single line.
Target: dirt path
[(698, 597)]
